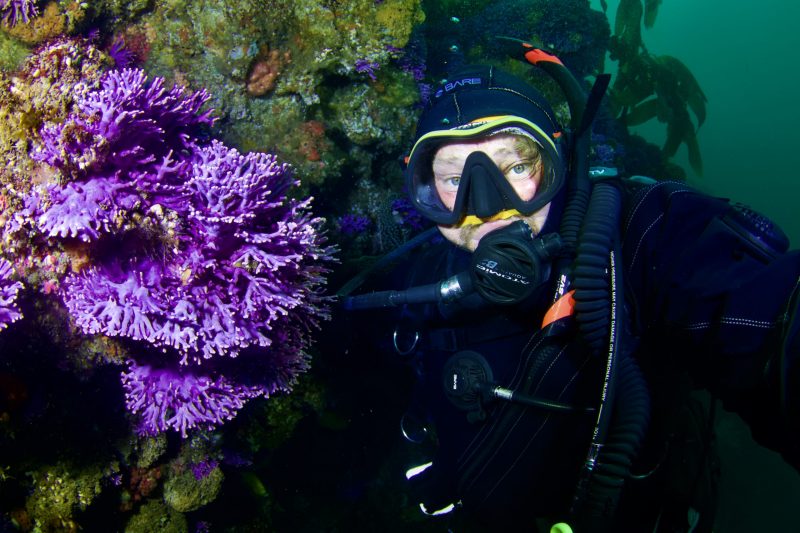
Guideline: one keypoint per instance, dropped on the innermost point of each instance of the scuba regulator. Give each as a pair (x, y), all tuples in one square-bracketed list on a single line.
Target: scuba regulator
[(507, 267)]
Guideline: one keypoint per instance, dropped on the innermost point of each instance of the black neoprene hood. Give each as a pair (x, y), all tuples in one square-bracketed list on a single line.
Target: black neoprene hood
[(483, 91), (479, 102)]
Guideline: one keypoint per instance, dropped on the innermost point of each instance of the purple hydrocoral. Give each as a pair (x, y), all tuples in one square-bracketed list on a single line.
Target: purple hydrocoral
[(350, 224), (8, 295), (221, 261), (407, 215), (204, 468), (243, 264), (118, 299), (123, 57), (365, 66), (125, 141), (13, 11), (179, 399)]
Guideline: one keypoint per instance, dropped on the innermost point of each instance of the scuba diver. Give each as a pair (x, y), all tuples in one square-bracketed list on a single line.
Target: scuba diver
[(558, 328)]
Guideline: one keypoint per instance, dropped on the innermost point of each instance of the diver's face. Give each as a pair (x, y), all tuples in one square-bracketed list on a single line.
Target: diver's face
[(519, 162)]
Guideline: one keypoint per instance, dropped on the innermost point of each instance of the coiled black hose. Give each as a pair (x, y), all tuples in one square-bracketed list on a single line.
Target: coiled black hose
[(590, 275), (624, 420), (631, 418)]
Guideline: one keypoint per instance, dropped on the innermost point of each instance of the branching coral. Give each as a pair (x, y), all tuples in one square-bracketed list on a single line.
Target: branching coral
[(240, 265), (14, 11), (9, 312), (171, 398), (117, 147), (42, 91), (195, 250)]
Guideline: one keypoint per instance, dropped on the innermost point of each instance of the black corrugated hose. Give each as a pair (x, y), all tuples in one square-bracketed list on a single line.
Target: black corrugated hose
[(624, 420)]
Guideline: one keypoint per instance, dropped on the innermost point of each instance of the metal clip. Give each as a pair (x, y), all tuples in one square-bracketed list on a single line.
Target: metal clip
[(408, 350)]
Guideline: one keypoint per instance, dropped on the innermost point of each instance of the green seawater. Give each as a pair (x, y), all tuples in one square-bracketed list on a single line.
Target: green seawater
[(743, 54)]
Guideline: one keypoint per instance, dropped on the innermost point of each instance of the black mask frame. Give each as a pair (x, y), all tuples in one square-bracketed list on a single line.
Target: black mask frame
[(483, 190)]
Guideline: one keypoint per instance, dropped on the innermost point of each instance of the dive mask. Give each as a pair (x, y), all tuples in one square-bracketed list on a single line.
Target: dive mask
[(482, 189)]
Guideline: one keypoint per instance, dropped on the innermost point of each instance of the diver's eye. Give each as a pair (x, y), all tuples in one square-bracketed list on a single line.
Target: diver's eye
[(517, 171), (451, 183)]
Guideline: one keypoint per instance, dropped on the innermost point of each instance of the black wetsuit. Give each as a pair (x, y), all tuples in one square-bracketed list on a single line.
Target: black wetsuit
[(708, 296)]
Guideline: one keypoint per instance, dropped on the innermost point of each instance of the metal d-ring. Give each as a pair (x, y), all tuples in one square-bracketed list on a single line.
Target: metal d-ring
[(414, 435), (407, 350)]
